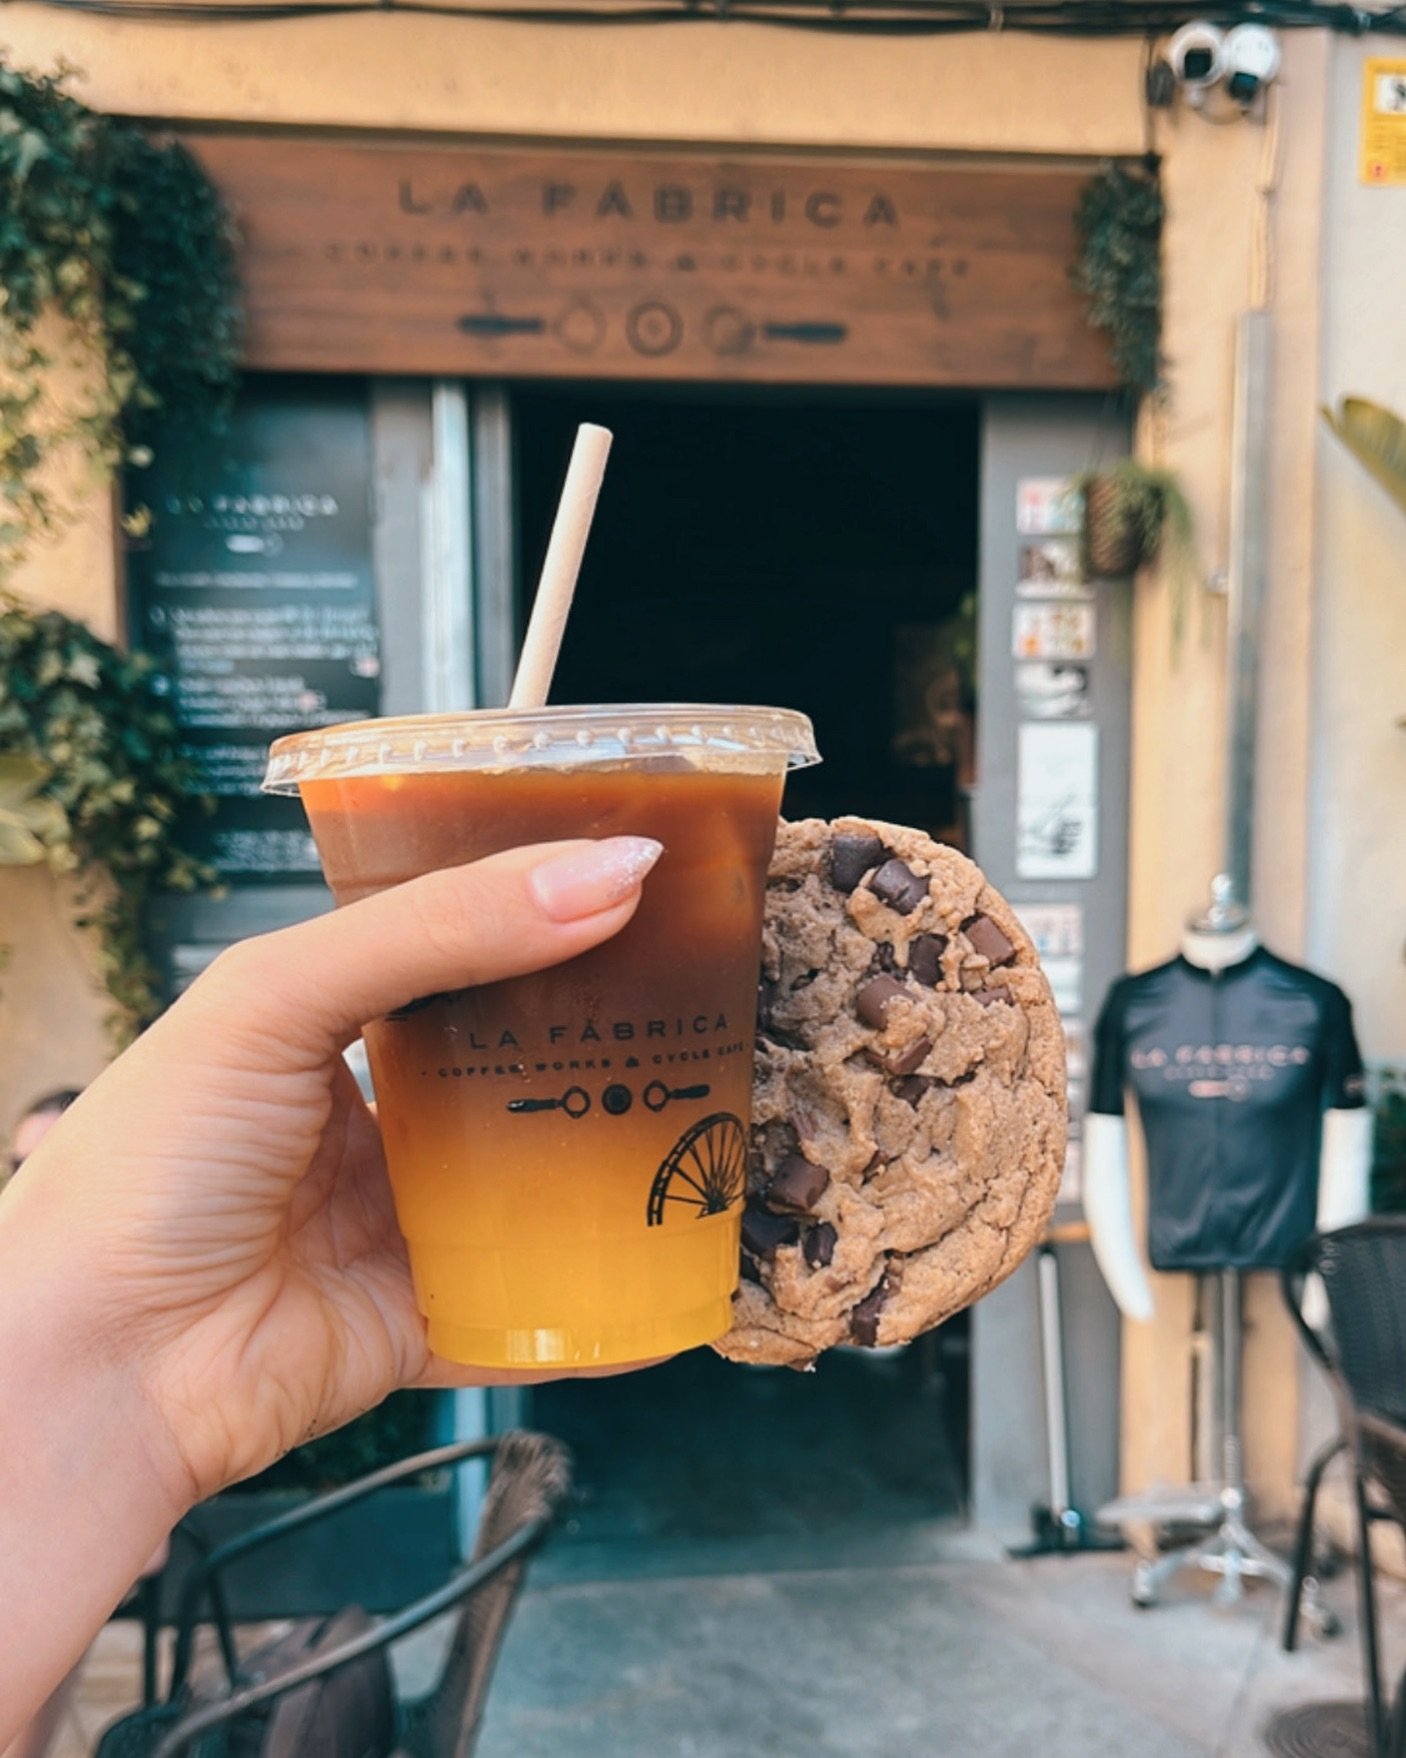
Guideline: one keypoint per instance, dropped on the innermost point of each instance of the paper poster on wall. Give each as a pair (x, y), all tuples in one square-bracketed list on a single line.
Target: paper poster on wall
[(1383, 156), (1066, 979), (1056, 928), (1057, 801), (1053, 631), (1052, 569), (1048, 506), (1050, 689)]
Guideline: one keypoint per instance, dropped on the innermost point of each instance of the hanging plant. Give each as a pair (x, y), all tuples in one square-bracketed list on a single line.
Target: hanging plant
[(1133, 515), (116, 259), (1119, 221), (92, 781)]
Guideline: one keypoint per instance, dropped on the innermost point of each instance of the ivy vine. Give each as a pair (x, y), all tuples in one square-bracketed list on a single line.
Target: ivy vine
[(106, 756), (1119, 221), (116, 258)]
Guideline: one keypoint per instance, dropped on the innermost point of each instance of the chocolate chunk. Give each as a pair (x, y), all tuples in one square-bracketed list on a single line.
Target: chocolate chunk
[(988, 940), (819, 1245), (899, 887), (907, 1060), (750, 1272), (763, 1232), (871, 1002), (804, 981), (864, 1320), (912, 1087), (990, 997), (876, 1159), (851, 857), (925, 958), (797, 1187), (883, 959), (899, 1061)]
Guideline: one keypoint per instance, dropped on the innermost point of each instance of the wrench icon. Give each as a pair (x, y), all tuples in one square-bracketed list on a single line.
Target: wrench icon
[(575, 1101), (656, 1095)]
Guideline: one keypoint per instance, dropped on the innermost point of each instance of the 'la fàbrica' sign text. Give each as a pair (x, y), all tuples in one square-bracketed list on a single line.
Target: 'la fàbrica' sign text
[(367, 256)]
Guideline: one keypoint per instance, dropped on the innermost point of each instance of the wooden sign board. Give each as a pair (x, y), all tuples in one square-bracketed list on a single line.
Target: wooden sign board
[(364, 256)]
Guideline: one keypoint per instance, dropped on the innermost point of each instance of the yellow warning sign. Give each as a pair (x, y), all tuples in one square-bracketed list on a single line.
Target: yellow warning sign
[(1384, 122)]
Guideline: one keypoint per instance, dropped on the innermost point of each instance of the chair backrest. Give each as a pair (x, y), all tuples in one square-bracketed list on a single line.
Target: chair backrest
[(1363, 1269), (530, 1478)]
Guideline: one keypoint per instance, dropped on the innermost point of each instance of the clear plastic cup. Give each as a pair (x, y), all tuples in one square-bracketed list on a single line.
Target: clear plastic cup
[(568, 1150)]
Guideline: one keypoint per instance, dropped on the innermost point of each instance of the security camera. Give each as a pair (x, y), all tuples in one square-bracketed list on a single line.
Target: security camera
[(1251, 60), (1197, 55)]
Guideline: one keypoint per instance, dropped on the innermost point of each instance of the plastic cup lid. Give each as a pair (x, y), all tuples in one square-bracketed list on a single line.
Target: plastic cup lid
[(707, 736)]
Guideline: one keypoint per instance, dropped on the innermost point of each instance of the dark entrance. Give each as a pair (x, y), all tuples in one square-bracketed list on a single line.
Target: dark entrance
[(819, 555)]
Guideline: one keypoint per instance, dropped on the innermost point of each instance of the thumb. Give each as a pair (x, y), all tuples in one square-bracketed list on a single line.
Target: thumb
[(500, 917)]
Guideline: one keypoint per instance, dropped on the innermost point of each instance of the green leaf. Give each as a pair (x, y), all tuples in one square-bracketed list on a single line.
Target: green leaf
[(18, 847), (83, 669), (1376, 438), (30, 822)]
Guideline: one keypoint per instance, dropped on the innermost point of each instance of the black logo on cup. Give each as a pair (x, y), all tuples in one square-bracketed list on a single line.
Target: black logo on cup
[(575, 1101), (704, 1173)]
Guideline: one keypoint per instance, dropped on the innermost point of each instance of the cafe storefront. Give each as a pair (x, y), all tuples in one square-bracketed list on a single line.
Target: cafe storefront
[(819, 287)]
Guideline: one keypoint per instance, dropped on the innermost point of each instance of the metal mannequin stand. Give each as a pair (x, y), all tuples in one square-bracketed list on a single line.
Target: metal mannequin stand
[(1230, 1549)]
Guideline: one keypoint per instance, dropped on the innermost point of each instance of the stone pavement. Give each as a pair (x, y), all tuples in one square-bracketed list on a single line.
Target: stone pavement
[(962, 1652)]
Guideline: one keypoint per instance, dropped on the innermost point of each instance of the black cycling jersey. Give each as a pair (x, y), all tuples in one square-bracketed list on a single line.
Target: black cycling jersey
[(1232, 1074)]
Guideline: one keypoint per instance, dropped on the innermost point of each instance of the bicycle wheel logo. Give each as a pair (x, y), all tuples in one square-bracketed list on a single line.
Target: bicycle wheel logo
[(705, 1171)]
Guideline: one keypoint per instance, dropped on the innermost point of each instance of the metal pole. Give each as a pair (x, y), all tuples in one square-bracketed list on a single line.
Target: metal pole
[(1050, 1348), (1249, 528), (1206, 1449), (1230, 1346)]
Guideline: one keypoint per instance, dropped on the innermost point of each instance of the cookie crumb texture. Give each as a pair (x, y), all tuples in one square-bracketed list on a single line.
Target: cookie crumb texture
[(909, 1114)]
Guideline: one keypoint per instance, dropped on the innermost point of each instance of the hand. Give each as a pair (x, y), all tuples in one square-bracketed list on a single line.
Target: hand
[(217, 1202)]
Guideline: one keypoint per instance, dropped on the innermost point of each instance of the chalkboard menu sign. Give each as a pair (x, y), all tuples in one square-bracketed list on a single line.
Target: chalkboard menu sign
[(254, 592)]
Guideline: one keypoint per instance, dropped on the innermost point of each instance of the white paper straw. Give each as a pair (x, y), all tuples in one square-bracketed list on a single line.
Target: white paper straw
[(550, 609)]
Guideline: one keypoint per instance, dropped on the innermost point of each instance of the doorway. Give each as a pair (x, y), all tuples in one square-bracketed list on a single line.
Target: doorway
[(780, 549), (819, 554)]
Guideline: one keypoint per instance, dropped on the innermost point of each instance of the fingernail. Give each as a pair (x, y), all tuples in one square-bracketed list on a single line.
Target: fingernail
[(592, 879)]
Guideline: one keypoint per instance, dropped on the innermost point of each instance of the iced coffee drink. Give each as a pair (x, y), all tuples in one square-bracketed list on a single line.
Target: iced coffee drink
[(567, 1150)]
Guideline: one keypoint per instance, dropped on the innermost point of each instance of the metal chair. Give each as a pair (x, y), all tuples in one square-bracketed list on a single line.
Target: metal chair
[(1363, 1271), (529, 1480)]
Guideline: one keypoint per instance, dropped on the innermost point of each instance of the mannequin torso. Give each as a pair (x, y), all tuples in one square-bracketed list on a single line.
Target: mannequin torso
[(1219, 1069)]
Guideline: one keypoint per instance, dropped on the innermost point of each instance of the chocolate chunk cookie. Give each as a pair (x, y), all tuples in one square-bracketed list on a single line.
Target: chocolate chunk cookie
[(909, 1109)]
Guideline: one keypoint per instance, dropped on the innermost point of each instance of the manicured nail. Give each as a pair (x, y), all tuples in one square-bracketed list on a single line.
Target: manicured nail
[(592, 879)]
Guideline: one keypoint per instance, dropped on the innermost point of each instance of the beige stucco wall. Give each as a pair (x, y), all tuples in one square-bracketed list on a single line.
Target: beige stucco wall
[(1357, 866), (983, 94), (1263, 228)]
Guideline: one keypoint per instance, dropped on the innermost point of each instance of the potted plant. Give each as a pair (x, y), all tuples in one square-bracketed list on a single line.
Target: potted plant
[(1130, 512)]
